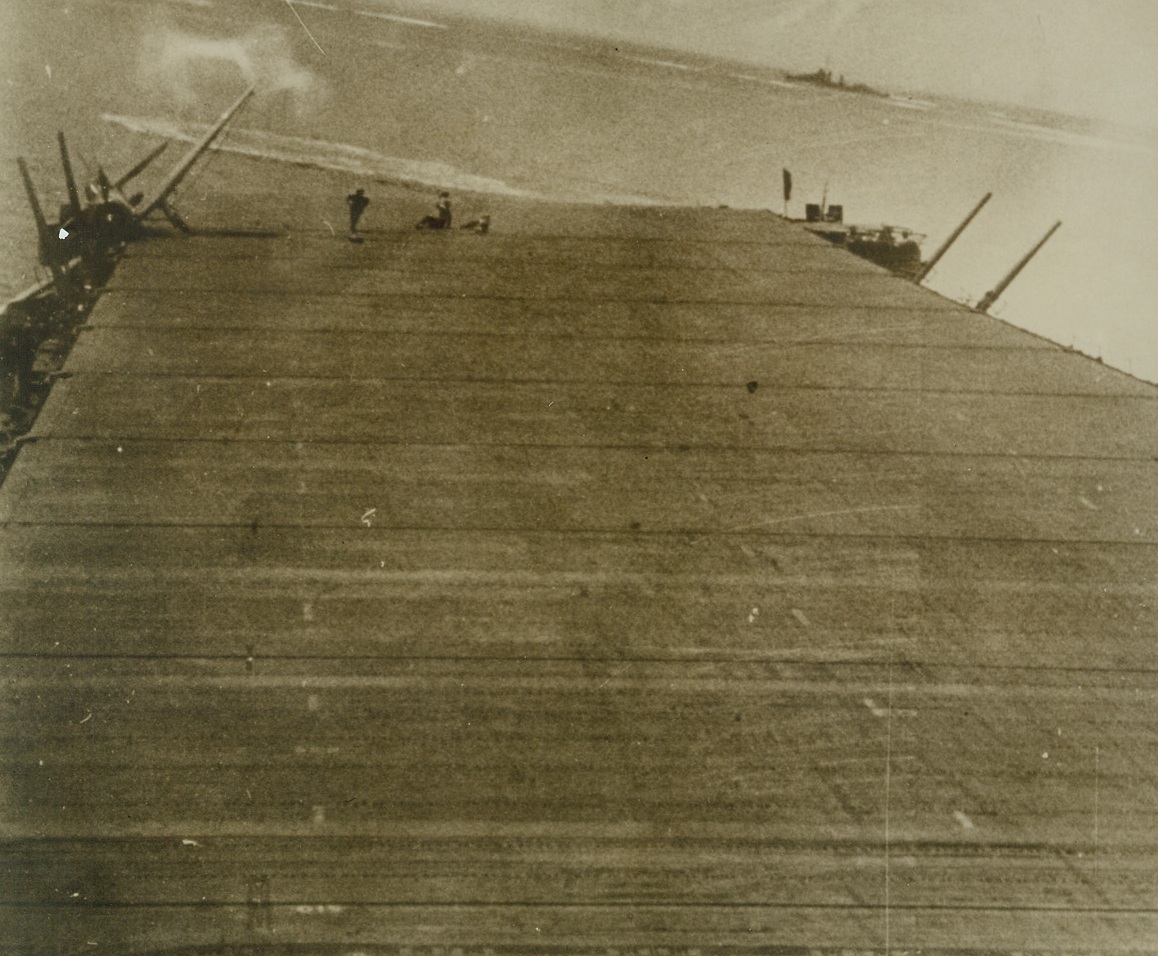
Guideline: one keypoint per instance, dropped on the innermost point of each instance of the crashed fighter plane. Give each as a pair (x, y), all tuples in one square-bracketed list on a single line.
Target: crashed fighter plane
[(90, 230)]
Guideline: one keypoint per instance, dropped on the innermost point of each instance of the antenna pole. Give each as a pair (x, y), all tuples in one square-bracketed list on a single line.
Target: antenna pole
[(995, 293), (928, 266)]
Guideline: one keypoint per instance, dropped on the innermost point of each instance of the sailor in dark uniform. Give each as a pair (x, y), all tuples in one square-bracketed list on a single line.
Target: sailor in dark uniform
[(357, 201)]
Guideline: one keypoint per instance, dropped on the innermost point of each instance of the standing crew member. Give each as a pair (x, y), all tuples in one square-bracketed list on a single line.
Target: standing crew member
[(357, 201)]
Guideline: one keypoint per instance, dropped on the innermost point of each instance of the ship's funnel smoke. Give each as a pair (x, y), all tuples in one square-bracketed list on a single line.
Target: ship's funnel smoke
[(177, 61)]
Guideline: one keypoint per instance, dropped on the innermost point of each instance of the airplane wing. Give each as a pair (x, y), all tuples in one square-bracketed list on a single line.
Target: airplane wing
[(156, 201)]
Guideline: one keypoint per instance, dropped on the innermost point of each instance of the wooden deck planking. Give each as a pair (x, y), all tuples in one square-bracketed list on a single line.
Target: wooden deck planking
[(603, 320), (608, 415), (562, 634), (350, 592), (434, 354)]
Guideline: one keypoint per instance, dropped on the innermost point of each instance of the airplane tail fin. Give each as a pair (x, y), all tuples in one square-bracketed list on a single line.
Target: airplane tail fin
[(48, 254), (69, 179)]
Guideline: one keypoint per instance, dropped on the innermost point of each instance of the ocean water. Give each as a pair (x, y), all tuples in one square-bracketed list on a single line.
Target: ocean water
[(393, 92)]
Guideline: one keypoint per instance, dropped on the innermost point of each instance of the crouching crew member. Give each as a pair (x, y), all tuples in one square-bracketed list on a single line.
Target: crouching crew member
[(441, 217)]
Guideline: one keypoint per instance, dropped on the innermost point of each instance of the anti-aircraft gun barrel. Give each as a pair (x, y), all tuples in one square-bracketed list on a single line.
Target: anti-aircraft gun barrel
[(928, 266), (994, 294)]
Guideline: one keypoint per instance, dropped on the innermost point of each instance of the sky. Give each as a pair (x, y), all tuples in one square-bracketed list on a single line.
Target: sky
[(1095, 58)]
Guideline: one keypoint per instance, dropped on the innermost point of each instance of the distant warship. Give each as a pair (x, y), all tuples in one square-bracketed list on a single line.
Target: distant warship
[(823, 77)]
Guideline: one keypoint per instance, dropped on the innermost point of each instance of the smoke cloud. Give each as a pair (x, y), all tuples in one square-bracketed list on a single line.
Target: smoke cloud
[(180, 62)]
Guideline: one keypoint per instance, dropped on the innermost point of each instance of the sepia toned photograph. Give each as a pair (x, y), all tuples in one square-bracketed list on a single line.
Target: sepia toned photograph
[(578, 477)]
